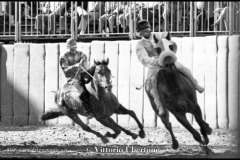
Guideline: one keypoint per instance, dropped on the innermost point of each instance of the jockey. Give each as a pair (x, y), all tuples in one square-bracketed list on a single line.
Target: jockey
[(148, 56), (70, 63)]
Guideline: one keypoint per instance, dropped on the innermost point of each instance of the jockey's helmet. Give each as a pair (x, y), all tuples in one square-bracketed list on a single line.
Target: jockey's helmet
[(143, 24), (71, 42)]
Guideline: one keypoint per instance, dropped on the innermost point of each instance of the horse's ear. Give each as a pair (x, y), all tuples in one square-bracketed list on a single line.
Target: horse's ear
[(96, 62), (173, 47), (168, 36), (155, 38), (107, 61)]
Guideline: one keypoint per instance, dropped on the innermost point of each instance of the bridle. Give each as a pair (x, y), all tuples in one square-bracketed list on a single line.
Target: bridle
[(100, 83)]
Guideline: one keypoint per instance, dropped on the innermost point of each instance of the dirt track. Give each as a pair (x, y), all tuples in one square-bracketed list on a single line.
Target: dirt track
[(73, 142)]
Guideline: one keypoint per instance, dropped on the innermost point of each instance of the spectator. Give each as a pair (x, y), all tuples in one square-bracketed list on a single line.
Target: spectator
[(4, 16), (32, 8), (113, 9), (9, 10), (175, 8), (95, 10), (81, 5), (205, 10), (124, 18), (201, 15), (150, 12), (222, 15), (25, 10), (52, 12)]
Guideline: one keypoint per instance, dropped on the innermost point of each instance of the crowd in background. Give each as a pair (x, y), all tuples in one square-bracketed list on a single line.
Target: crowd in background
[(114, 16)]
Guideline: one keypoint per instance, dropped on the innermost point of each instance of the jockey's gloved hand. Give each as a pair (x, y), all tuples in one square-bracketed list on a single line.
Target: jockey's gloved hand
[(76, 65)]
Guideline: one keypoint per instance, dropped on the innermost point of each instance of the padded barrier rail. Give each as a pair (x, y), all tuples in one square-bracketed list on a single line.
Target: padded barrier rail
[(30, 72)]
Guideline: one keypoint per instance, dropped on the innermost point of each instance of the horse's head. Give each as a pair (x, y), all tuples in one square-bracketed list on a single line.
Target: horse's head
[(103, 74), (167, 60), (165, 43), (166, 49)]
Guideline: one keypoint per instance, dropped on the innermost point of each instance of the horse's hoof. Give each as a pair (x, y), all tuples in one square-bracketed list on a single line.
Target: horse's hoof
[(205, 140), (207, 150), (115, 136), (134, 136), (108, 134), (175, 145), (142, 134), (105, 140)]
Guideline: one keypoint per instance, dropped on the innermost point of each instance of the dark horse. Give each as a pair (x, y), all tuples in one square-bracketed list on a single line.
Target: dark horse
[(177, 94), (103, 103)]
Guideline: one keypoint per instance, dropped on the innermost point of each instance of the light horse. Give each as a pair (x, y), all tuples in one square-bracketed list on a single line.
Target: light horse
[(103, 103), (177, 94)]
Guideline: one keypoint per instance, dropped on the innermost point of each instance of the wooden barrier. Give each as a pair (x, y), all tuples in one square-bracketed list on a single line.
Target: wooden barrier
[(51, 78), (36, 83), (233, 80), (30, 72), (21, 84), (7, 84), (222, 82), (211, 80)]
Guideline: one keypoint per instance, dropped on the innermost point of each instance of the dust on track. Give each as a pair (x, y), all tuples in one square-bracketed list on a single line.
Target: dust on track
[(72, 142)]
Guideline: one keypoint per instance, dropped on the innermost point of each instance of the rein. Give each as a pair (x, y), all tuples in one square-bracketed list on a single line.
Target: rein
[(138, 88), (102, 84)]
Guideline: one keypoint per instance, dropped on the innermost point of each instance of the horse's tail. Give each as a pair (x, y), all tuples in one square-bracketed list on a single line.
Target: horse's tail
[(51, 114)]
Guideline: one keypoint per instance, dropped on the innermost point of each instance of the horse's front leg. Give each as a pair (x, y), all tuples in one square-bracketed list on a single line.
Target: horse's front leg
[(78, 121), (123, 110), (168, 125), (165, 120), (105, 121), (133, 135)]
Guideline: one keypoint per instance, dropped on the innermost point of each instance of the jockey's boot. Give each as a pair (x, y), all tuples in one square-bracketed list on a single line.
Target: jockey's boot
[(199, 88), (188, 73), (86, 103), (160, 108)]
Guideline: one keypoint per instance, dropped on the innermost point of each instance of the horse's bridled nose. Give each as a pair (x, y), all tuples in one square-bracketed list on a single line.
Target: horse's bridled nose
[(108, 86)]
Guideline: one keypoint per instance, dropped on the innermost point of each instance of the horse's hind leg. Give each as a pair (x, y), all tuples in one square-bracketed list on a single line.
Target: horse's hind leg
[(181, 117), (168, 125), (105, 121), (123, 110), (78, 121)]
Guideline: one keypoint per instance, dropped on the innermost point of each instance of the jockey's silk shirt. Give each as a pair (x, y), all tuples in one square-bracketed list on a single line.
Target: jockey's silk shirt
[(68, 60), (146, 51)]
